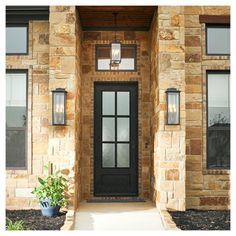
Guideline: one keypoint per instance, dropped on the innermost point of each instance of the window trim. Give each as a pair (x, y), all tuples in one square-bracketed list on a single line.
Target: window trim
[(134, 46), (21, 71), (214, 19), (214, 25), (27, 38), (207, 73)]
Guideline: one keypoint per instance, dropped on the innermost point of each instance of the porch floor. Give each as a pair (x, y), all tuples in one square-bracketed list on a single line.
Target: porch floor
[(118, 216)]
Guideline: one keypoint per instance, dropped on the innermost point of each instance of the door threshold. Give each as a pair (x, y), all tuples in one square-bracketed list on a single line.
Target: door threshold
[(111, 200)]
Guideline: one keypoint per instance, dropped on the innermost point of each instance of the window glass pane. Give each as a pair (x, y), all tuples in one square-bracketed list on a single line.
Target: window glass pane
[(16, 99), (16, 39), (122, 155), (103, 58), (108, 129), (16, 119), (108, 155), (218, 121), (122, 129), (122, 103), (15, 148), (218, 40), (218, 99), (127, 58), (108, 103)]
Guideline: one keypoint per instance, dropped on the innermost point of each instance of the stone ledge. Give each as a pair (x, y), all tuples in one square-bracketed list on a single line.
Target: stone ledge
[(70, 220), (167, 220)]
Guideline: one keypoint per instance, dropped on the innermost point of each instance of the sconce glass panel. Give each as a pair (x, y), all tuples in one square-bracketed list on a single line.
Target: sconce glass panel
[(173, 107), (59, 102), (115, 53)]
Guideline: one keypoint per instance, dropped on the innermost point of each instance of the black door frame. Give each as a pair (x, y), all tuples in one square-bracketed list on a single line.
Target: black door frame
[(117, 86)]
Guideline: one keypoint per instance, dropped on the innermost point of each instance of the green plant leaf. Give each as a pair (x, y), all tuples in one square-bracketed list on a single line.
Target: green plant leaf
[(17, 225), (41, 181), (52, 187)]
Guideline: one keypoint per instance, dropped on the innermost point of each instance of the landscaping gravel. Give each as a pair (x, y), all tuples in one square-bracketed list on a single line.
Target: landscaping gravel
[(35, 221), (201, 220)]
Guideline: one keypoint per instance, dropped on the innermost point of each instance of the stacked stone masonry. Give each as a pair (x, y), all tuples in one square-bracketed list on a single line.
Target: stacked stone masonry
[(172, 159), (205, 189), (167, 71), (21, 182)]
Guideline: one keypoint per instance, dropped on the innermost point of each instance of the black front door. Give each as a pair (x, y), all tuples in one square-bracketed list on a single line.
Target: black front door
[(116, 139)]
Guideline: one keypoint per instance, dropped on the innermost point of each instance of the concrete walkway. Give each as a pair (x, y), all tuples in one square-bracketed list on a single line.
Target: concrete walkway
[(118, 216)]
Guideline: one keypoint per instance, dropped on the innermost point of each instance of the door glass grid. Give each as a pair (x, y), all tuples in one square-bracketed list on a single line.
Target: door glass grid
[(115, 129)]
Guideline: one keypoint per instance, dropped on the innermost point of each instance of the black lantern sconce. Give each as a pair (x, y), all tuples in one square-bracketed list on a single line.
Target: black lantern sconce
[(115, 57), (59, 106), (173, 106)]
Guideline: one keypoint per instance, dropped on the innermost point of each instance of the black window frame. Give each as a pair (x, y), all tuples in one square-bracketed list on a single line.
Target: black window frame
[(214, 25), (27, 38), (134, 46), (21, 71), (207, 148)]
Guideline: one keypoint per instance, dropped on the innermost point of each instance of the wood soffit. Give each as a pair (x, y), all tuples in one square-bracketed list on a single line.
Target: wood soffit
[(129, 18)]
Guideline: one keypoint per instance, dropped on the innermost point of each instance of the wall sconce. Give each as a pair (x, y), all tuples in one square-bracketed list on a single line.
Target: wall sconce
[(173, 106), (59, 106)]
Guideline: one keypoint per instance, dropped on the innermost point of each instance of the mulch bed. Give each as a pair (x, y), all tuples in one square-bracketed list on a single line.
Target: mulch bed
[(35, 221), (201, 220)]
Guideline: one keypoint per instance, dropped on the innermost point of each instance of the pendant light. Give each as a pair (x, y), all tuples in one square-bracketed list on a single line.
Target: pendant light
[(115, 47)]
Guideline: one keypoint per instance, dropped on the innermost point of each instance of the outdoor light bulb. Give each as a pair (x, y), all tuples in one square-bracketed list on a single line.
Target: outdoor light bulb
[(173, 108), (61, 108), (57, 108), (115, 53)]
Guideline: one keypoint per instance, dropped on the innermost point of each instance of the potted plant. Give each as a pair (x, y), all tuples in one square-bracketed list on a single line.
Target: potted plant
[(50, 193)]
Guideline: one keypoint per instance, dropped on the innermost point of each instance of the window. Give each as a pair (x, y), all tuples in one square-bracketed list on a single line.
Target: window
[(17, 39), (218, 114), (128, 58), (16, 119), (218, 39)]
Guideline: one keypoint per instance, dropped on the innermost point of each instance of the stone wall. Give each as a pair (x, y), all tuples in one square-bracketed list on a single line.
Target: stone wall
[(168, 69), (19, 183), (64, 68), (172, 159), (205, 189), (89, 76)]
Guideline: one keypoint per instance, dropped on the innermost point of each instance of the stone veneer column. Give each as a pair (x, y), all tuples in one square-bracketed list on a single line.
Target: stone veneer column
[(170, 139), (63, 74)]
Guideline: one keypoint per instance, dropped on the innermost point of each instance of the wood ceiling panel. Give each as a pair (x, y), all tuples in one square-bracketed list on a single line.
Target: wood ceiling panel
[(128, 18)]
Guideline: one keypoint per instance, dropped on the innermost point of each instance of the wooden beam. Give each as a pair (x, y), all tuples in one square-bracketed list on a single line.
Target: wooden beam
[(214, 19), (117, 8)]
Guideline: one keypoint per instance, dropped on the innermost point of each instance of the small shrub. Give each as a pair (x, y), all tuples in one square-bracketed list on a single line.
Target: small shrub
[(52, 187), (17, 225)]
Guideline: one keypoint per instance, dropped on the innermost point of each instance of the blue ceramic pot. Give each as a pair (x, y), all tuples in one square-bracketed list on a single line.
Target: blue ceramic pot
[(47, 209)]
